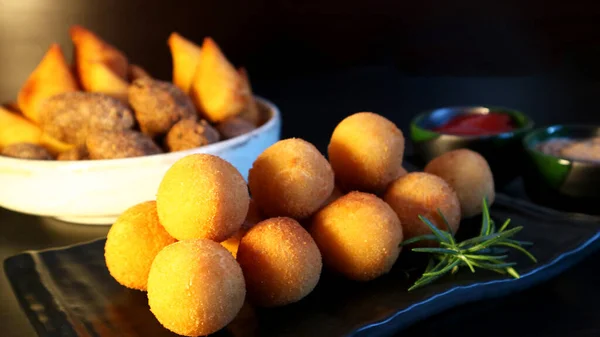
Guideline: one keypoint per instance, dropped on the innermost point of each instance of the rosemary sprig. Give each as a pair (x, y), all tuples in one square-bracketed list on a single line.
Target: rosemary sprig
[(485, 251)]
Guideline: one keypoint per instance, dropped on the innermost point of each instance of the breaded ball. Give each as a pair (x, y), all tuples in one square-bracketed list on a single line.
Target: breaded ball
[(132, 243), (233, 127), (189, 134), (469, 174), (123, 144), (76, 153), (419, 193), (290, 178), (252, 218), (195, 287), (365, 152), (202, 196), (26, 151), (71, 116), (159, 105), (281, 262), (359, 236)]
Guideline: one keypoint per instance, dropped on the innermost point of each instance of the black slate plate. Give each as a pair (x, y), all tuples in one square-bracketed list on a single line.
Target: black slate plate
[(69, 292)]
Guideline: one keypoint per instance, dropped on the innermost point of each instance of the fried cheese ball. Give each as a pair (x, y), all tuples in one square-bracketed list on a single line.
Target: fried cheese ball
[(26, 151), (202, 196), (159, 105), (122, 144), (195, 287), (252, 218), (189, 134), (290, 178), (233, 127), (365, 152), (419, 193), (132, 243), (469, 174), (281, 262), (359, 236)]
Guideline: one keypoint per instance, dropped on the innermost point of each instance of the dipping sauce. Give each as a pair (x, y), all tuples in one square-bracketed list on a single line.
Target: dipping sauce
[(477, 124), (574, 149)]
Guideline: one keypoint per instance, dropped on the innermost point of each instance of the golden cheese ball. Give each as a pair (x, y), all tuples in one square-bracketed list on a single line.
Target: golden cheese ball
[(281, 262), (195, 287), (359, 236), (290, 178), (202, 196), (469, 174), (419, 193), (365, 151), (252, 218), (132, 243)]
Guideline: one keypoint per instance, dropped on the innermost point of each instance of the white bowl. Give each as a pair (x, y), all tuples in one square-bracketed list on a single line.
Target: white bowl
[(97, 191)]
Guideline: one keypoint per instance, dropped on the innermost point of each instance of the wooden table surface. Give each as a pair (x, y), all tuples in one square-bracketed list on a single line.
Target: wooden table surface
[(313, 61)]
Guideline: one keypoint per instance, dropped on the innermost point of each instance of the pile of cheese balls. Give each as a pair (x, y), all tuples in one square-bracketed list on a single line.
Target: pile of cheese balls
[(205, 246)]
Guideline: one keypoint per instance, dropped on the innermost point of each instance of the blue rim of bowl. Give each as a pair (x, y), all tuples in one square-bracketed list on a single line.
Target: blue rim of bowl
[(528, 123), (274, 119)]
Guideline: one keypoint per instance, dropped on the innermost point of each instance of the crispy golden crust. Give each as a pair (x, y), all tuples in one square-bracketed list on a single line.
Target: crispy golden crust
[(71, 116), (233, 127), (252, 218), (281, 262), (26, 151), (290, 178), (159, 105), (132, 243), (195, 287), (469, 174), (124, 144), (365, 152), (358, 235), (185, 55), (202, 196), (189, 134), (419, 193)]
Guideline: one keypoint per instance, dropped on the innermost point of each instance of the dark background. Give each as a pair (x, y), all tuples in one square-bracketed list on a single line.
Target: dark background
[(322, 60)]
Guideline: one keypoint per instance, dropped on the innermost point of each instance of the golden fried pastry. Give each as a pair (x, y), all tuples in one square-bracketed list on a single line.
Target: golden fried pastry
[(195, 287), (358, 235), (159, 105), (419, 193), (90, 48), (123, 144), (233, 127), (365, 152), (101, 79), (26, 151), (189, 134), (469, 174), (281, 262), (16, 129), (252, 218), (202, 196), (69, 117), (132, 243), (290, 178), (218, 90), (52, 76), (185, 55)]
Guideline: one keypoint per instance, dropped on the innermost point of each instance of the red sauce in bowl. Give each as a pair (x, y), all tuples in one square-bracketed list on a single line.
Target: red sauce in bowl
[(477, 124)]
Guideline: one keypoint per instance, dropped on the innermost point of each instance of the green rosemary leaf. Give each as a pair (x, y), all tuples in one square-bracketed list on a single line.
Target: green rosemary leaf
[(519, 248), (486, 257), (427, 237), (505, 225), (513, 272), (436, 231), (485, 220), (449, 234), (443, 270), (435, 250), (492, 239)]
